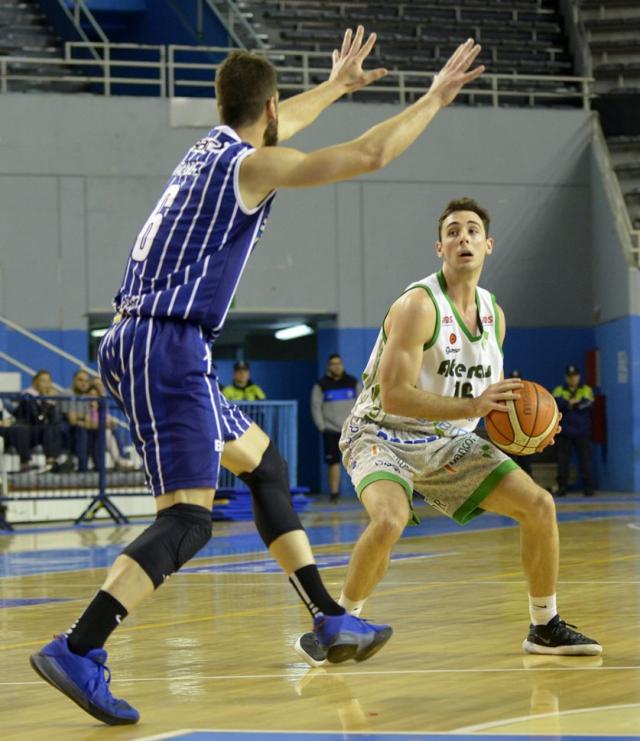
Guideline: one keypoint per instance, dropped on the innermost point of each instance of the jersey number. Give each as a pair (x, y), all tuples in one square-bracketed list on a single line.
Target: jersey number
[(463, 389), (148, 232)]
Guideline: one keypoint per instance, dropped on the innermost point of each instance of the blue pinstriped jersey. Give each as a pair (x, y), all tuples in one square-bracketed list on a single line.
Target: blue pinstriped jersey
[(191, 252)]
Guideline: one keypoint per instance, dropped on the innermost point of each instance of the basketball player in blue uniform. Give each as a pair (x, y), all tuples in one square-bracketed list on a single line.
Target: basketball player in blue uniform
[(178, 284)]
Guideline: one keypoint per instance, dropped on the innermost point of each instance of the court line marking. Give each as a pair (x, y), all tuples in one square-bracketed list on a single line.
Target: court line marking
[(553, 714), (288, 676), (271, 610), (318, 547), (261, 582), (339, 733)]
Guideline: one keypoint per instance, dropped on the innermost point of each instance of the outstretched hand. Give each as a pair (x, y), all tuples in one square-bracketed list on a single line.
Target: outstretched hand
[(347, 63), (455, 74)]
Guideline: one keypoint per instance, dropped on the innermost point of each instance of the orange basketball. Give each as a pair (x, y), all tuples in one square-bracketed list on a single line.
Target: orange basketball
[(529, 423)]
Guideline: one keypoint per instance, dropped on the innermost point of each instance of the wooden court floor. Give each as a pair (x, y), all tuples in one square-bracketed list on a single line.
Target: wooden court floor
[(212, 651)]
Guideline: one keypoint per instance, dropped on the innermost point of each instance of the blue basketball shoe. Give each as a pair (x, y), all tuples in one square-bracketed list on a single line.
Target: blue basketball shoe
[(83, 679), (338, 638)]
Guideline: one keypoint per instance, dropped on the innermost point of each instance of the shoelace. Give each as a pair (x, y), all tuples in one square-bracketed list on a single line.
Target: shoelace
[(562, 628), (103, 674)]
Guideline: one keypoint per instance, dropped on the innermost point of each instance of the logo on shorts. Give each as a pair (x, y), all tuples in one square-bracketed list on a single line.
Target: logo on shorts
[(374, 450), (452, 339), (460, 453), (487, 451), (218, 446)]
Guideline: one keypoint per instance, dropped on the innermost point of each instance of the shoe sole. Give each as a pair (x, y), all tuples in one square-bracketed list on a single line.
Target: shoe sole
[(579, 649), (48, 669), (307, 656), (344, 652)]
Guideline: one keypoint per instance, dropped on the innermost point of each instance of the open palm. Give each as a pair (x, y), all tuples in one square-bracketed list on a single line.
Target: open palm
[(456, 74), (347, 63)]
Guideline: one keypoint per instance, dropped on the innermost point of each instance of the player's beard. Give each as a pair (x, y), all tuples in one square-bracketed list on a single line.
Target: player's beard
[(270, 137)]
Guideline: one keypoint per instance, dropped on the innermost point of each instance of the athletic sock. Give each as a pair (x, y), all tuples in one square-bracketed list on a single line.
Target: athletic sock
[(353, 607), (542, 609), (308, 584), (95, 625)]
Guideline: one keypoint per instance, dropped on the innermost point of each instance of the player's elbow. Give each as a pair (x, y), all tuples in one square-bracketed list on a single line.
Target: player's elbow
[(372, 156), (391, 400)]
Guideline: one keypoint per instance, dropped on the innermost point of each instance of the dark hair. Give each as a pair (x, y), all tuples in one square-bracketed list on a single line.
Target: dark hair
[(244, 83), (41, 372), (334, 355), (465, 204)]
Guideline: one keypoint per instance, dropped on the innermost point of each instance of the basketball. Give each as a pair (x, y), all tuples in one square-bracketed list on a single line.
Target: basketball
[(530, 422)]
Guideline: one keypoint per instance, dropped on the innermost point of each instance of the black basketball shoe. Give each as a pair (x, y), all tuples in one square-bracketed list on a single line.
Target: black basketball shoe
[(308, 646), (560, 638)]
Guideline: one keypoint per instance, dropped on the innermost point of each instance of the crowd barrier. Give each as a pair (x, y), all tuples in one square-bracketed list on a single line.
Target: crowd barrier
[(59, 448)]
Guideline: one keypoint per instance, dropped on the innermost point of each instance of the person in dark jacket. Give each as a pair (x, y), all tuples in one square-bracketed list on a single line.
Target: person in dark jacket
[(38, 421), (332, 398), (574, 401)]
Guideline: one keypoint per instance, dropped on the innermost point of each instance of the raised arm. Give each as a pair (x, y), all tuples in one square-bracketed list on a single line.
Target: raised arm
[(273, 167), (409, 326), (347, 76)]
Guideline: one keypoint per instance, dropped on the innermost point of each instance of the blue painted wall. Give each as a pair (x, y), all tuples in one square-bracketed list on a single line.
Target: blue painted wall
[(73, 341), (619, 344), (539, 353)]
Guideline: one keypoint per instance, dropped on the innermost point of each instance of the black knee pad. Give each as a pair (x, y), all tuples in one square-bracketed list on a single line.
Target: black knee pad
[(177, 534), (269, 485)]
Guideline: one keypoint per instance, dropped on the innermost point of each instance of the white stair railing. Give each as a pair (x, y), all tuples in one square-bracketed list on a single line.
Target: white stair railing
[(628, 236), (48, 345)]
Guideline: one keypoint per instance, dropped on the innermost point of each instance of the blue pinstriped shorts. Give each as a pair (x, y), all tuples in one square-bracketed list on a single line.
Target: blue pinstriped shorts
[(160, 373)]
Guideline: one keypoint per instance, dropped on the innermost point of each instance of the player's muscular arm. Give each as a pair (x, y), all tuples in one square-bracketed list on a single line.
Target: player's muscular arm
[(409, 326), (275, 167), (503, 325)]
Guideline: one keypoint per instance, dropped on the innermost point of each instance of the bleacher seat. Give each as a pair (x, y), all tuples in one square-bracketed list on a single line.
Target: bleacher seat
[(521, 36)]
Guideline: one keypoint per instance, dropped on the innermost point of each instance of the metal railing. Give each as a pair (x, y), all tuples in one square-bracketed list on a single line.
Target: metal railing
[(628, 236), (234, 20), (57, 448), (178, 71), (43, 343), (79, 14)]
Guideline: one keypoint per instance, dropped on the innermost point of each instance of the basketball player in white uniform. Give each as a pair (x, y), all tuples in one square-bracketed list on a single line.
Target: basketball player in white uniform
[(436, 368)]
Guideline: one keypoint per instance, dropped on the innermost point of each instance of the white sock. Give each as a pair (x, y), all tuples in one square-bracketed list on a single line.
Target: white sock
[(353, 607), (542, 609)]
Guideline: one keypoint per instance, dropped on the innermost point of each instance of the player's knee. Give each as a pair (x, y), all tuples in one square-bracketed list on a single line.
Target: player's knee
[(389, 523), (175, 536), (540, 509), (269, 486)]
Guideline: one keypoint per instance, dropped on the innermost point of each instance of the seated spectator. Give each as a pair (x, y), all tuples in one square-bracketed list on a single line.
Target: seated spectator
[(16, 437), (243, 388), (39, 421), (82, 438)]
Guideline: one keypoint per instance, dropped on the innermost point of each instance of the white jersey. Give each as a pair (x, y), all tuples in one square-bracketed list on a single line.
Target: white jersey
[(454, 362)]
